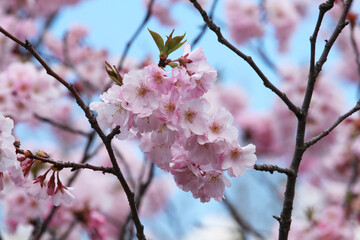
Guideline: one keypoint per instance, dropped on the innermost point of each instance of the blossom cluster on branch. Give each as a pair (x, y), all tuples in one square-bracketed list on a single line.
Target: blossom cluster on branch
[(178, 131)]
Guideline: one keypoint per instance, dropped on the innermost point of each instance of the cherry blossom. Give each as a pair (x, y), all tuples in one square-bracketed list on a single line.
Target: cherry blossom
[(244, 20)]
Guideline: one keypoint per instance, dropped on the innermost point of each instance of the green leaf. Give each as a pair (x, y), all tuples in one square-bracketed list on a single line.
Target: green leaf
[(158, 40), (113, 73), (168, 40), (176, 47)]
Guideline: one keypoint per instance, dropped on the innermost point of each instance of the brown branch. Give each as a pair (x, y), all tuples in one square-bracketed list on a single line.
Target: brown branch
[(59, 164), (245, 57), (62, 126), (333, 126), (273, 168), (315, 69), (356, 52), (300, 147), (140, 194), (94, 124), (37, 233), (244, 225)]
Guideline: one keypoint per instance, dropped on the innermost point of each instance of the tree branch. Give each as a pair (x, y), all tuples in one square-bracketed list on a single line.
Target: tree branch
[(59, 164), (94, 124), (241, 221), (273, 168), (300, 148), (62, 126), (248, 59), (333, 126)]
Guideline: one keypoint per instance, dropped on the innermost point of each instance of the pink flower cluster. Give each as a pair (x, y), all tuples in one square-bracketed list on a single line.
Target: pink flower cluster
[(40, 190), (7, 149), (25, 90), (284, 16), (40, 7), (244, 20), (80, 61), (178, 132)]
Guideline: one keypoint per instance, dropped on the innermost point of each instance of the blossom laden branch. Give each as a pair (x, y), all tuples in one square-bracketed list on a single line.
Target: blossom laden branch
[(94, 124), (333, 126), (247, 58), (27, 45)]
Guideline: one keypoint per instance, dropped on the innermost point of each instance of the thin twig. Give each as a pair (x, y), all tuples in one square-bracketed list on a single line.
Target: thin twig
[(241, 221), (333, 126), (94, 124), (71, 227), (204, 27), (126, 167), (356, 52), (59, 164), (84, 159), (62, 126), (140, 194), (300, 147), (245, 57)]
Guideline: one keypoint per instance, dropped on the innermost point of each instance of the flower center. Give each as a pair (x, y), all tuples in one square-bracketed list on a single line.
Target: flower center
[(141, 91), (189, 116), (170, 107), (235, 153), (215, 128), (158, 79)]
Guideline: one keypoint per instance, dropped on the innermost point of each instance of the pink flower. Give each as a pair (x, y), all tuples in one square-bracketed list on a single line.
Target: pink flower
[(213, 186), (202, 75), (220, 128), (186, 174), (202, 154), (193, 118), (111, 112), (51, 185), (62, 195), (168, 110), (158, 153), (146, 124), (158, 79), (162, 13), (7, 150), (236, 159), (244, 20), (285, 17), (140, 98)]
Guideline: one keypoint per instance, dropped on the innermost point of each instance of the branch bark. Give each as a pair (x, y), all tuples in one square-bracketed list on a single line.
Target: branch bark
[(245, 57), (94, 124)]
